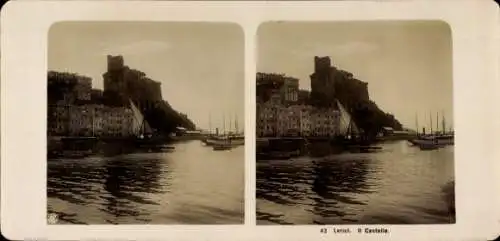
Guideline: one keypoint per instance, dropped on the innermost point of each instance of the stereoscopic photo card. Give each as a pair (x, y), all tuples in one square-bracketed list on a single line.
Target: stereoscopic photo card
[(249, 120), (340, 140), (143, 123)]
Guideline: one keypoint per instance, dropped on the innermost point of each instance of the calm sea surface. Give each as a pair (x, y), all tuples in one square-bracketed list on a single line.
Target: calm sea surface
[(399, 185), (192, 185)]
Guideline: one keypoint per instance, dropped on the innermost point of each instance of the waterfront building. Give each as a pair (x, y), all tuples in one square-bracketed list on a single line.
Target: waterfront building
[(325, 122), (270, 85), (267, 118), (289, 91), (58, 120), (305, 120), (68, 88), (90, 120), (289, 121), (296, 120), (80, 122)]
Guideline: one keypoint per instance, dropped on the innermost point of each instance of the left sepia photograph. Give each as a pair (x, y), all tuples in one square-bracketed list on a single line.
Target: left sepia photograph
[(145, 123)]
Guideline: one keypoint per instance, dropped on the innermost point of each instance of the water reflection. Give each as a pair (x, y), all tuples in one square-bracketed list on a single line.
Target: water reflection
[(399, 185), (128, 185), (332, 186), (147, 188)]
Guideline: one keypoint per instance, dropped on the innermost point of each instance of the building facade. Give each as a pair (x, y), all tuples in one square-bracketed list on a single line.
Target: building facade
[(58, 120), (306, 122), (277, 86), (325, 122), (296, 120), (68, 88), (267, 119), (289, 91), (289, 121), (90, 120)]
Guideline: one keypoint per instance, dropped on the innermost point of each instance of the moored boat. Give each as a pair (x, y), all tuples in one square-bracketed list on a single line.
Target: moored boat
[(441, 140), (436, 139), (237, 140)]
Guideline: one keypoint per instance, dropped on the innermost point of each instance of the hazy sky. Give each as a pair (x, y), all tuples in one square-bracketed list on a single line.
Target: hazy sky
[(408, 65), (200, 65)]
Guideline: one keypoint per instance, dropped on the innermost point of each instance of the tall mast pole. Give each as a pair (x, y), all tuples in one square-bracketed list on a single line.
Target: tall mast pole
[(224, 124), (437, 122), (430, 117), (416, 122), (230, 125), (209, 123), (443, 123), (236, 124)]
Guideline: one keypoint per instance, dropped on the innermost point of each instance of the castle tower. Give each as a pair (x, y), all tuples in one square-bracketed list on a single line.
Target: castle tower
[(115, 63), (323, 82), (114, 79)]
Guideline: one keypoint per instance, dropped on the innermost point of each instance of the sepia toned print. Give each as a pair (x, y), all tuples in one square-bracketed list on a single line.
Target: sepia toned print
[(144, 123), (354, 123)]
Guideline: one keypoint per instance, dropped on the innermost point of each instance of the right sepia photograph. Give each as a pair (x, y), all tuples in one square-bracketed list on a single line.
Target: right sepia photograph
[(354, 123)]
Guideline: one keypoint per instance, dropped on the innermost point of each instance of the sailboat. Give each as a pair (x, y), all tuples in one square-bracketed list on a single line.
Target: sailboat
[(348, 130), (434, 140), (224, 142), (350, 134), (229, 140), (140, 127), (236, 138), (143, 133)]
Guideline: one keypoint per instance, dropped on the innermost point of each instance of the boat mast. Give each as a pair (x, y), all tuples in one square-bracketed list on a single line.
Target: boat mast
[(236, 124), (437, 122), (430, 117), (443, 123), (230, 125), (209, 123), (416, 122), (223, 124)]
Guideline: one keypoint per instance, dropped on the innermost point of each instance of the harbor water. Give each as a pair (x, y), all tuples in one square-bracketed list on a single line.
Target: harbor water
[(398, 185), (190, 185)]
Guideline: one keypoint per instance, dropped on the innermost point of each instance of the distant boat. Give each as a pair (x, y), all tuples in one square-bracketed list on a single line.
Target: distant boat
[(215, 140), (232, 139), (436, 139), (441, 140), (237, 140)]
